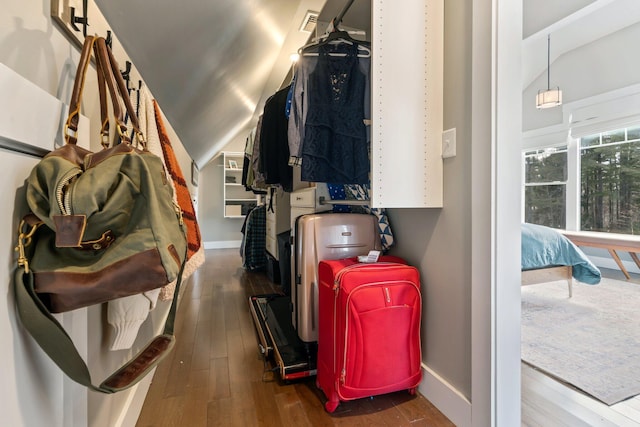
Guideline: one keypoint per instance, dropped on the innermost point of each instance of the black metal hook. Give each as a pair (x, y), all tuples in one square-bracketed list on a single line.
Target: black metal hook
[(84, 19), (126, 73), (109, 39)]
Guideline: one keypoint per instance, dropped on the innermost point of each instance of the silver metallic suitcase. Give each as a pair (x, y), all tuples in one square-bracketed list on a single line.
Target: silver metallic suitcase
[(324, 236)]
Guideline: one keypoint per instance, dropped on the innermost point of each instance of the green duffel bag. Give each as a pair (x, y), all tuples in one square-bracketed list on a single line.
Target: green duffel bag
[(102, 226)]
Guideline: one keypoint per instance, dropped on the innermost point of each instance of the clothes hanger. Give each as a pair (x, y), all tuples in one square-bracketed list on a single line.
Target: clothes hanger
[(337, 36)]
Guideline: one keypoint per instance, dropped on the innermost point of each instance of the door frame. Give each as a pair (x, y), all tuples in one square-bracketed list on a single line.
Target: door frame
[(495, 267)]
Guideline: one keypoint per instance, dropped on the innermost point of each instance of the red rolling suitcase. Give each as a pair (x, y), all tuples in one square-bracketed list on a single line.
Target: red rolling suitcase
[(369, 329)]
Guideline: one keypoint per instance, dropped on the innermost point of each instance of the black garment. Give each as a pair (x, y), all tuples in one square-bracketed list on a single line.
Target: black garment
[(274, 142), (335, 145), (246, 164)]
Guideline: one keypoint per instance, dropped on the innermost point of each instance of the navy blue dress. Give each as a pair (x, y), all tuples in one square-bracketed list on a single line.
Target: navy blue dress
[(335, 147)]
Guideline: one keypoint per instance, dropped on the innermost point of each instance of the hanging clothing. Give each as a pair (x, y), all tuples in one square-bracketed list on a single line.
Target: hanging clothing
[(335, 148), (299, 100), (255, 175), (182, 197), (127, 314), (253, 246), (362, 192), (274, 150)]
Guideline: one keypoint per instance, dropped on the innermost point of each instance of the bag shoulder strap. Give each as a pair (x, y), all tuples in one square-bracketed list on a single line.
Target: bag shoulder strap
[(54, 340)]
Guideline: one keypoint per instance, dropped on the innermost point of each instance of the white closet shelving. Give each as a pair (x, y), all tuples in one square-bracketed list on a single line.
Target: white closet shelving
[(237, 200)]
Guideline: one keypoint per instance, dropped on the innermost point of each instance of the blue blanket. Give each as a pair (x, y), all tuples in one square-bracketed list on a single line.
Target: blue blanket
[(545, 247)]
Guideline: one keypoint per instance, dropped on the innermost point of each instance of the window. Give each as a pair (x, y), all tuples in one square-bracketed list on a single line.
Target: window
[(610, 181), (601, 192), (545, 184)]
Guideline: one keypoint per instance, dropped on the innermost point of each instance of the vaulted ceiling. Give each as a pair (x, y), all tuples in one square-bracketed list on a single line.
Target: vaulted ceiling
[(212, 64)]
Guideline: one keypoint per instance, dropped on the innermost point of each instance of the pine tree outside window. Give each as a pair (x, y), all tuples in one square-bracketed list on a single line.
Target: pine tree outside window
[(610, 181), (545, 183)]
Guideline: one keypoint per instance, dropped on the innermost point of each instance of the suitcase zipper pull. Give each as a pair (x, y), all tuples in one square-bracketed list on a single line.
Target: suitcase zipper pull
[(388, 295), (343, 374), (336, 286)]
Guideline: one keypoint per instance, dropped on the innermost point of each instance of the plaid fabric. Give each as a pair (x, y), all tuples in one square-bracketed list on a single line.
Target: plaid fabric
[(254, 254), (182, 191), (295, 161)]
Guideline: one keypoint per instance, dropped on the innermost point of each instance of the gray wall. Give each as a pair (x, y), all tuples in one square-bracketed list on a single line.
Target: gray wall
[(218, 231), (439, 240)]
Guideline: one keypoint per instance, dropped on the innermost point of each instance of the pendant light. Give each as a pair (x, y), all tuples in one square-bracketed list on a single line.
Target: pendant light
[(550, 97)]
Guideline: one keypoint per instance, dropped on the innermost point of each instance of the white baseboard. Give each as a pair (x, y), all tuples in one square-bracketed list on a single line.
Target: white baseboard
[(223, 244), (445, 397), (604, 262)]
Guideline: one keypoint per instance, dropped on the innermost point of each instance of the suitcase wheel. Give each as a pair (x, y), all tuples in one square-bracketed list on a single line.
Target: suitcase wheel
[(412, 391), (330, 406)]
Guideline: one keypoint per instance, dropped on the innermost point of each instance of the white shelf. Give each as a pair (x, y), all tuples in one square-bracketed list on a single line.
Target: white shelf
[(235, 195)]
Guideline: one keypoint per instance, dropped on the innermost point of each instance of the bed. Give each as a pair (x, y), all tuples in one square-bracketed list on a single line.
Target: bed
[(548, 256)]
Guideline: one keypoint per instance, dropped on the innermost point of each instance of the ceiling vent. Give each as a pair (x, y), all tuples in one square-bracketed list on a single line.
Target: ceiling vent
[(309, 22)]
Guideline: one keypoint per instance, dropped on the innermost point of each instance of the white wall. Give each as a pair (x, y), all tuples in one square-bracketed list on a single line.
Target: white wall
[(35, 392), (596, 68)]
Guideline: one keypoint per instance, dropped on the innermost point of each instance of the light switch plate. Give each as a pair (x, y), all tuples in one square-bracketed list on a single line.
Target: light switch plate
[(449, 143)]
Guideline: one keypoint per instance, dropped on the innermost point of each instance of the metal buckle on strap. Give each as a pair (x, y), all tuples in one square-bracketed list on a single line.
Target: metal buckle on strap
[(24, 240)]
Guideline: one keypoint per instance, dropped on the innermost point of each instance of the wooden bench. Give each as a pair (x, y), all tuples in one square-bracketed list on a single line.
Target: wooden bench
[(610, 241)]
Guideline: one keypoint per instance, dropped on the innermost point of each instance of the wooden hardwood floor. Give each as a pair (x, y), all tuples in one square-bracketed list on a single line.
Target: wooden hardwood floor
[(216, 376)]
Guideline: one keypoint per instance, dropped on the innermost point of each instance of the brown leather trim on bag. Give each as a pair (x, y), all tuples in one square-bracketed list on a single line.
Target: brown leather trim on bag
[(69, 230), (71, 152), (174, 253), (32, 219), (100, 156), (121, 86), (78, 86), (103, 242), (144, 361), (133, 275), (102, 92)]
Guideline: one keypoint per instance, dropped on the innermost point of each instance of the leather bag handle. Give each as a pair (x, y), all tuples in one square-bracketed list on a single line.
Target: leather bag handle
[(104, 112), (109, 76), (117, 91), (76, 94)]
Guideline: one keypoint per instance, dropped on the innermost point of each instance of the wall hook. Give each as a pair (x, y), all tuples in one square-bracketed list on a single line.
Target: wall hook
[(126, 73), (84, 20), (109, 40)]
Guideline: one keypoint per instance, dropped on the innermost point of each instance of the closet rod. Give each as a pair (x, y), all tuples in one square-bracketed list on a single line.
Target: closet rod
[(323, 201), (345, 9)]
